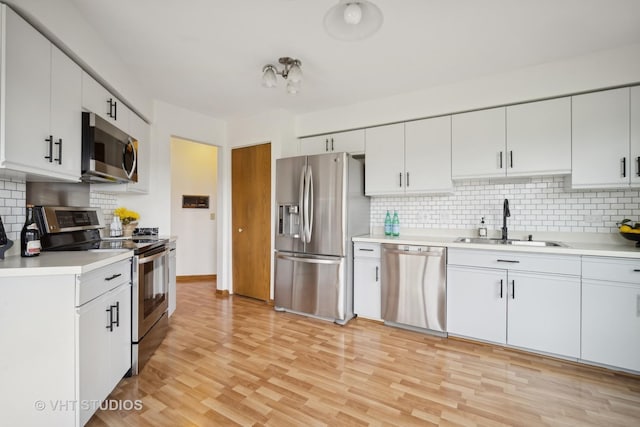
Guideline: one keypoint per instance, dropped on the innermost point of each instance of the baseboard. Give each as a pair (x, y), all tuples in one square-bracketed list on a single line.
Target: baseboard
[(197, 278)]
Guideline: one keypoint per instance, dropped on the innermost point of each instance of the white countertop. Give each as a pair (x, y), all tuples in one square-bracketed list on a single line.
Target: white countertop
[(610, 249), (60, 263)]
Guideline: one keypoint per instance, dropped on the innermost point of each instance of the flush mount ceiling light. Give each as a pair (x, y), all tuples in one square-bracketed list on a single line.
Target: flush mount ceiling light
[(291, 73), (352, 20)]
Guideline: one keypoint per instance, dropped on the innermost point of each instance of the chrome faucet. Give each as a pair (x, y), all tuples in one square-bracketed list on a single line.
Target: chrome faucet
[(505, 213)]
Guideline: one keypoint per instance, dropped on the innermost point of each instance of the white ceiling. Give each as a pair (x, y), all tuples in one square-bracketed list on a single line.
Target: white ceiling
[(207, 55)]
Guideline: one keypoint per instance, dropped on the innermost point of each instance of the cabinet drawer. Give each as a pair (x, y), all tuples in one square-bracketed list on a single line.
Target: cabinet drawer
[(541, 263), (366, 250), (97, 282), (611, 269)]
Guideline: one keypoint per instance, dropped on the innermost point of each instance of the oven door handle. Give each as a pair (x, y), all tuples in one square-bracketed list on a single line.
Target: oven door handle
[(144, 260)]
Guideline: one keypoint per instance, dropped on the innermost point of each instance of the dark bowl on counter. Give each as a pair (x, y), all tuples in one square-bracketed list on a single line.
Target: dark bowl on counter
[(632, 236)]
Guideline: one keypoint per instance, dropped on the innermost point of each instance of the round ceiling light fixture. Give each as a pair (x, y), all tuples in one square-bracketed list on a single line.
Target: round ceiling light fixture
[(353, 20)]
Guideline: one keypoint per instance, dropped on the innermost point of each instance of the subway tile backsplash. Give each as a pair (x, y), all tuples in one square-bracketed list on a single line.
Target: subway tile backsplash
[(12, 206), (13, 203), (536, 204)]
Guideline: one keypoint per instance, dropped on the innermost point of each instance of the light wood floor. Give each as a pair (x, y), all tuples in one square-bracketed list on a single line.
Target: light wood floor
[(235, 361)]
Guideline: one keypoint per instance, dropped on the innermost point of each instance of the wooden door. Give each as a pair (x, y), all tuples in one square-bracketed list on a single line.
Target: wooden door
[(251, 220)]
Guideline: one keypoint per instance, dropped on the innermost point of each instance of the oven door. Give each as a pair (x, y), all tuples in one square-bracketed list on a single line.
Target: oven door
[(150, 296)]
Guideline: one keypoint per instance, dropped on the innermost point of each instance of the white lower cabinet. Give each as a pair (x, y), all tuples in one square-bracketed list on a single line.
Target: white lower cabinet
[(611, 312), (366, 280), (104, 340), (70, 343), (536, 308)]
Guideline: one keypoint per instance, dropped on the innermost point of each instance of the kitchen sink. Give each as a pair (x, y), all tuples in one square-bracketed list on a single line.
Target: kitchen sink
[(514, 242)]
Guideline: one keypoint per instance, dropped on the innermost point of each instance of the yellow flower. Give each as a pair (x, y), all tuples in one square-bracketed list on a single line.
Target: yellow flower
[(126, 216)]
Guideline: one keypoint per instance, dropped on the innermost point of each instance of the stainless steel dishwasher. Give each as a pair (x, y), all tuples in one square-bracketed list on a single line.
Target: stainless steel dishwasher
[(414, 286)]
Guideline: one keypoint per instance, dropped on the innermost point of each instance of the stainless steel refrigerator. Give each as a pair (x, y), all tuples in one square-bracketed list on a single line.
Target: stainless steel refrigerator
[(320, 206)]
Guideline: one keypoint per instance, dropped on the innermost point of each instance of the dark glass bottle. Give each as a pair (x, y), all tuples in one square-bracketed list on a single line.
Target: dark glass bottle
[(30, 236)]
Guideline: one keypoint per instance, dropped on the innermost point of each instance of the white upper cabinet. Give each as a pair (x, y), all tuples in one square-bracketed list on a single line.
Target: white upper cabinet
[(478, 144), (427, 147), (348, 142), (539, 138), (409, 158), (384, 154), (634, 162), (98, 100), (520, 140), (66, 111), (601, 140), (41, 119)]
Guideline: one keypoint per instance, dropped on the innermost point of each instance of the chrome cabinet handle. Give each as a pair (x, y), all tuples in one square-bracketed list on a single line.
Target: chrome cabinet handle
[(513, 289), (511, 159), (407, 179), (332, 144), (326, 144), (501, 283), (108, 279), (400, 175), (500, 160), (624, 167), (378, 268), (509, 261)]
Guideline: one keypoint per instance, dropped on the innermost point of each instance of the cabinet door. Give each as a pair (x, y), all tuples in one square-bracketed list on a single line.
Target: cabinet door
[(120, 337), (314, 145), (634, 165), (478, 144), (611, 323), (476, 303), (428, 155), (544, 313), (384, 151), (600, 126), (539, 138), (27, 95), (95, 98), (366, 287), (94, 357), (66, 117), (348, 142)]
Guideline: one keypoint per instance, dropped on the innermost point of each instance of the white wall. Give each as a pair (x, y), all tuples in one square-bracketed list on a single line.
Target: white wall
[(171, 121), (598, 70), (274, 126), (194, 171)]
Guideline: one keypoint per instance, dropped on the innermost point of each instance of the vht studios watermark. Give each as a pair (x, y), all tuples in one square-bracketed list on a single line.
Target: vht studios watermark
[(73, 405)]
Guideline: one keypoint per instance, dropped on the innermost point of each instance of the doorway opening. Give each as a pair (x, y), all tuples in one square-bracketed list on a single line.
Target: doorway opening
[(194, 173)]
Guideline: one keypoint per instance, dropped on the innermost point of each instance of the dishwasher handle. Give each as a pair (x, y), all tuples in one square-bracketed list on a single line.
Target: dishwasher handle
[(419, 253)]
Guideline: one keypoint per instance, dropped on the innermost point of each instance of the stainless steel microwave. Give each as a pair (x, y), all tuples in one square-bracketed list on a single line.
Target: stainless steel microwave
[(108, 153)]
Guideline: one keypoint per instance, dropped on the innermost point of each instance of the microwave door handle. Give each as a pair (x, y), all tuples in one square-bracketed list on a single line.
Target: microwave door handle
[(135, 158)]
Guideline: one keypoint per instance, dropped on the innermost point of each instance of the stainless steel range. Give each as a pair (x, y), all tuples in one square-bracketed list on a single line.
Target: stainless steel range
[(78, 229)]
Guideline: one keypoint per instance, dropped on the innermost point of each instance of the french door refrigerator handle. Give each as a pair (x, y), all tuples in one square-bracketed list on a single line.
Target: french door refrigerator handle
[(301, 203), (309, 202)]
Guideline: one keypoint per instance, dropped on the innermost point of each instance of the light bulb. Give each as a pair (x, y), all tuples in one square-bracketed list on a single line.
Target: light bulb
[(292, 87), (269, 77), (295, 73), (353, 14)]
